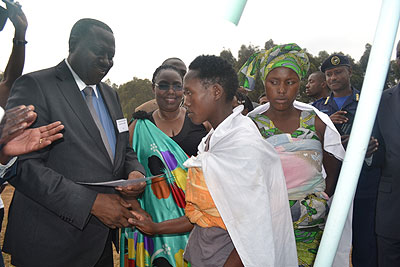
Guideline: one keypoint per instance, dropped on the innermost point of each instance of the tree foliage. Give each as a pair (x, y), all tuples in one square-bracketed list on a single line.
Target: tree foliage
[(138, 91), (134, 93)]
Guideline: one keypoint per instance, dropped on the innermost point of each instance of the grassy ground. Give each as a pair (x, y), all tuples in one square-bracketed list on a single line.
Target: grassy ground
[(6, 195)]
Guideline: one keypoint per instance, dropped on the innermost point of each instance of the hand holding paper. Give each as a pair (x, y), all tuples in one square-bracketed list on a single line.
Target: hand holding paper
[(135, 189)]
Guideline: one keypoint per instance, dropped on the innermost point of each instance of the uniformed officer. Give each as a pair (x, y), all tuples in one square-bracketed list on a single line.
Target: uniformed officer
[(341, 106)]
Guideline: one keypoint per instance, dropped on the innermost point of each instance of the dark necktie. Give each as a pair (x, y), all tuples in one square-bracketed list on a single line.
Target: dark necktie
[(88, 98)]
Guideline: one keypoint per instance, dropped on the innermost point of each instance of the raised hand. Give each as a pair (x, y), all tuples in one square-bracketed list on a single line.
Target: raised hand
[(17, 16), (33, 139), (15, 121), (339, 117)]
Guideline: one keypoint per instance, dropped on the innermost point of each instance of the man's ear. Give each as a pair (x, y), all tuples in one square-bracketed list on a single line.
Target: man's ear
[(218, 91)]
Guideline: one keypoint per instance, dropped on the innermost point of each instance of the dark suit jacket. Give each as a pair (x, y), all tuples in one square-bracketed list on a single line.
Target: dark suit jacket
[(387, 132), (49, 219)]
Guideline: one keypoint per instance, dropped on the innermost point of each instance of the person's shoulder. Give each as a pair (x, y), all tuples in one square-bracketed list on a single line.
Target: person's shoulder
[(43, 75), (321, 100), (245, 126), (142, 115), (355, 90), (107, 87), (148, 106), (390, 91), (318, 103)]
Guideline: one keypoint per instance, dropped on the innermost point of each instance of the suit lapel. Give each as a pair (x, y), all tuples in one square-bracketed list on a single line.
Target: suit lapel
[(109, 100), (73, 96)]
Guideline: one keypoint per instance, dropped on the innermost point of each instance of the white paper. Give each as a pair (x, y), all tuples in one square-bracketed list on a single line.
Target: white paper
[(122, 125), (122, 182)]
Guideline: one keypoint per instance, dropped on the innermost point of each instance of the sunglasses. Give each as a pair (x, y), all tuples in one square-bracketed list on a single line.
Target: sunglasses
[(166, 86)]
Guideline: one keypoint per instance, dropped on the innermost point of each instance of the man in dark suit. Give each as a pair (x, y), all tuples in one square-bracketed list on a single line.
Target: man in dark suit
[(53, 220), (388, 157)]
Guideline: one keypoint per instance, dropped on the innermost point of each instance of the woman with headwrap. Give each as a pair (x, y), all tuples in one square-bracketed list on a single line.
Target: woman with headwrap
[(306, 140)]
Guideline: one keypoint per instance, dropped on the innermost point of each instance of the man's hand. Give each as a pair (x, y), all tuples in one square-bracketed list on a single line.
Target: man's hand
[(339, 117), (33, 139), (112, 210), (132, 190), (15, 121), (17, 17), (143, 221), (372, 147)]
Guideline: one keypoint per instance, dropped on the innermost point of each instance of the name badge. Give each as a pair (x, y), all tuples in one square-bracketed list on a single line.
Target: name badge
[(122, 125)]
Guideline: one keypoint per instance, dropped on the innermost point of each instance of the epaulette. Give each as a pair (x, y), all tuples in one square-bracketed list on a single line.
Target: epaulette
[(326, 101)]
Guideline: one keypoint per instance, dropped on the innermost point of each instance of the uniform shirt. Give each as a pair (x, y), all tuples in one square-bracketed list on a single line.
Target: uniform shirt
[(369, 176), (329, 106), (319, 103)]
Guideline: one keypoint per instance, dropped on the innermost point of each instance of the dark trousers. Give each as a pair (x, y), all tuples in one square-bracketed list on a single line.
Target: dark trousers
[(365, 252), (388, 252), (106, 258)]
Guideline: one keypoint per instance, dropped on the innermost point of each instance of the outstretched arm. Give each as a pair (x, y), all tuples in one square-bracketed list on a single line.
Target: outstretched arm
[(145, 224), (18, 139), (16, 62)]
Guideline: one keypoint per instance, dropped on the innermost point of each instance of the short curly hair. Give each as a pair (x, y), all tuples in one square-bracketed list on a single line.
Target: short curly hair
[(212, 69)]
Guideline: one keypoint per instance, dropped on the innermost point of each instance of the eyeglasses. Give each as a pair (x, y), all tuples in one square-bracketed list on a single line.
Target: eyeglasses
[(166, 86)]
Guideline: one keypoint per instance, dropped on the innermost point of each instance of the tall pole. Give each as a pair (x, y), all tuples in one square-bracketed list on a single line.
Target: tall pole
[(363, 123), (233, 10)]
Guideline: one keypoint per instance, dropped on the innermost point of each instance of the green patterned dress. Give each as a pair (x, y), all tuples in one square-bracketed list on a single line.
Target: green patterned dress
[(163, 199), (301, 156)]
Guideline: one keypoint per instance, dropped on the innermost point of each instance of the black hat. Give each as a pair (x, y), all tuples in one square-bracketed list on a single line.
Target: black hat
[(334, 61)]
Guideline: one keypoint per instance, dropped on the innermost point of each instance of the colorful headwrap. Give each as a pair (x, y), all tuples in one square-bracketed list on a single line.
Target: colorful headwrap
[(288, 55)]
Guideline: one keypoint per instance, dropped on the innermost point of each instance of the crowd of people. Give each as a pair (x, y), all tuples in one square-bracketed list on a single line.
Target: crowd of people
[(227, 182)]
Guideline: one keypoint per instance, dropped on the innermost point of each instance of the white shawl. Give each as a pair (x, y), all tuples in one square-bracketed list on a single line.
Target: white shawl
[(333, 145), (332, 141), (245, 178)]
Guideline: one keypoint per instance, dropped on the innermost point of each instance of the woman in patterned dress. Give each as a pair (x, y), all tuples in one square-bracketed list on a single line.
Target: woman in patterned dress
[(163, 140), (305, 139)]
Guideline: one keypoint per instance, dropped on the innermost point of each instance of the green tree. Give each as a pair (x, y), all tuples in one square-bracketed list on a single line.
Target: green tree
[(269, 44), (227, 55), (244, 53), (134, 93)]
